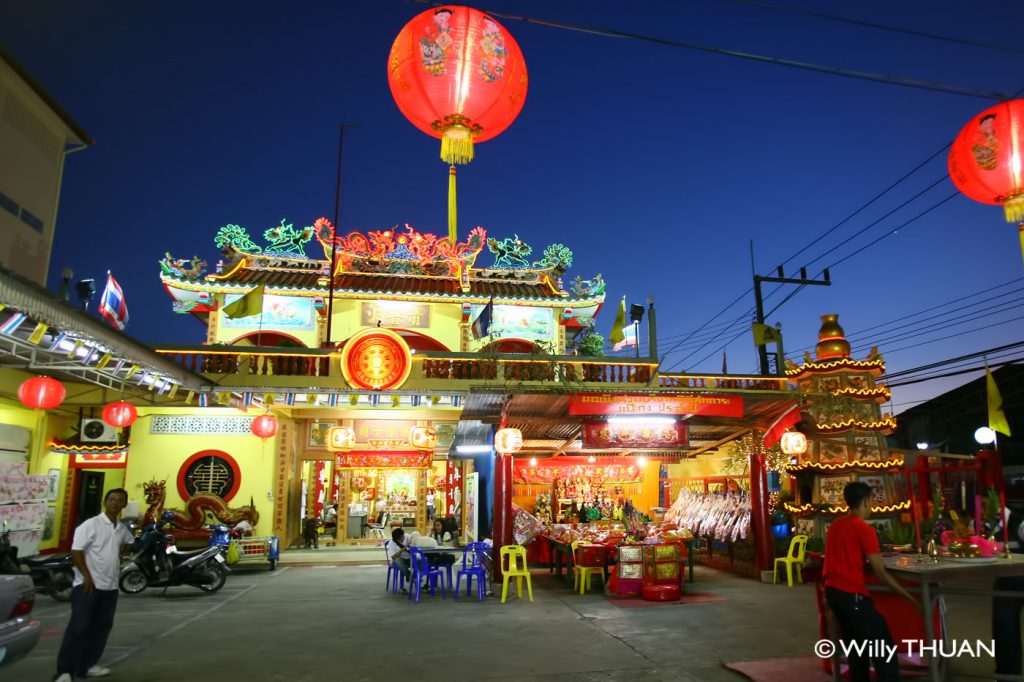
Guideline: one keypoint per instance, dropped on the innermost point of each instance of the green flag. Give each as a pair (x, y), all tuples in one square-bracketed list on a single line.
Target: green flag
[(248, 305), (617, 334)]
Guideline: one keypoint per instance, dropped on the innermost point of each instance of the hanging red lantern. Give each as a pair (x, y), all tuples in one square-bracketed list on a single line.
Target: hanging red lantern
[(41, 393), (793, 443), (264, 426), (457, 75), (120, 414), (985, 161)]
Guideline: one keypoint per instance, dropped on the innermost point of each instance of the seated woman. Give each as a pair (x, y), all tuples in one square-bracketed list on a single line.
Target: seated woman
[(441, 537)]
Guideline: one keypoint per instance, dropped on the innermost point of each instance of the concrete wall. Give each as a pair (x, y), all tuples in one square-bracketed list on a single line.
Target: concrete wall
[(32, 141)]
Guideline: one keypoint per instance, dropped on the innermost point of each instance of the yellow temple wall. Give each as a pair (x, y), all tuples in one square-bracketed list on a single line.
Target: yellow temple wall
[(443, 325), (160, 457)]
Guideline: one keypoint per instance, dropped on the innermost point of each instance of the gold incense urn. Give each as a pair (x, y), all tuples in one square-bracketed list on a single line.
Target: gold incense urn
[(963, 549)]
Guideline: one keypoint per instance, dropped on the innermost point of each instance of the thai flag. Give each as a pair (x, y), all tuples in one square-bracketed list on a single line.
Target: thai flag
[(482, 323), (112, 306), (332, 401), (246, 400), (289, 399), (204, 399)]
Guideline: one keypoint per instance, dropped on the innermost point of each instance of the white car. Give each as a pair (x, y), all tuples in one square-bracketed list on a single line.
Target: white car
[(19, 634)]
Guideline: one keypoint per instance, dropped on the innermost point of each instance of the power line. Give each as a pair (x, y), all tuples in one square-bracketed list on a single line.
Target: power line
[(881, 27), (953, 336), (778, 61), (968, 356), (951, 374)]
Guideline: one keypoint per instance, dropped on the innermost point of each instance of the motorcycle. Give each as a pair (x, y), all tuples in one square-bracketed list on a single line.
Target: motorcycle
[(52, 574), (156, 562)]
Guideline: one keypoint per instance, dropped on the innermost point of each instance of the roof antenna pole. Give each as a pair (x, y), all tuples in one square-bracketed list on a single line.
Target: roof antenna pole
[(334, 234)]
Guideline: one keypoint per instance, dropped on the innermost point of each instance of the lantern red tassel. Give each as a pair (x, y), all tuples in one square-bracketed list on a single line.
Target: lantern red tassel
[(264, 426), (41, 393), (120, 414)]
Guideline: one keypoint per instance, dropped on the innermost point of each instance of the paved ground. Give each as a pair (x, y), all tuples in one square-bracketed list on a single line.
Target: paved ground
[(336, 622)]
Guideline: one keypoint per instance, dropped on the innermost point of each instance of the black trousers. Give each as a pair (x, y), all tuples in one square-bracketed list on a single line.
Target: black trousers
[(860, 622), (92, 617), (1006, 625)]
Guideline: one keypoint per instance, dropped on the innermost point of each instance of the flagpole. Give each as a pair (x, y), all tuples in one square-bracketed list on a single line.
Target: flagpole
[(334, 234)]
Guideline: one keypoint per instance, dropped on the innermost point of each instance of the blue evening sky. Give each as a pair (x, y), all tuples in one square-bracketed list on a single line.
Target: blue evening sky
[(655, 164)]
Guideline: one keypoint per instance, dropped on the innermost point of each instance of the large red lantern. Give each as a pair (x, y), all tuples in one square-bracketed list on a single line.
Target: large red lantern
[(41, 393), (457, 75), (264, 426), (120, 414), (985, 161)]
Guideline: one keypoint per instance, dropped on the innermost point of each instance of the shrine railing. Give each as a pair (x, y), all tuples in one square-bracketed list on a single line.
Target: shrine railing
[(248, 365), (722, 382)]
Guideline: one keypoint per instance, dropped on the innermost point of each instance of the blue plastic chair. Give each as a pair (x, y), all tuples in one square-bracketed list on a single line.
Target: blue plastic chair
[(394, 577), (472, 565), (421, 570)]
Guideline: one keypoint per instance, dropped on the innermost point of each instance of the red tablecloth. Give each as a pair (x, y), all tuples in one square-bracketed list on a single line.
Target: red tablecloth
[(538, 552)]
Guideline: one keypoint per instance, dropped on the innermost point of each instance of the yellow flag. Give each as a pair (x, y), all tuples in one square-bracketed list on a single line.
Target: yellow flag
[(617, 335), (74, 351), (763, 334), (189, 397), (248, 305), (996, 417), (37, 334), (268, 399), (171, 393), (131, 372), (104, 361)]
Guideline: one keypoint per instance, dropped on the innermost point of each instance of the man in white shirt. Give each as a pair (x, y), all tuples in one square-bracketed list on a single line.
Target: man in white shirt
[(96, 551)]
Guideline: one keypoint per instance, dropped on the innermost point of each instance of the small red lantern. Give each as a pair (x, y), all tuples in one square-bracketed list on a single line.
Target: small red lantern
[(120, 414), (458, 75), (508, 441), (985, 161), (41, 393), (264, 426), (793, 443)]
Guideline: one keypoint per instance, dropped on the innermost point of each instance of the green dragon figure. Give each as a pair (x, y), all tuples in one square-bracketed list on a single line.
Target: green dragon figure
[(510, 253), (587, 287), (177, 267), (285, 239), (235, 237)]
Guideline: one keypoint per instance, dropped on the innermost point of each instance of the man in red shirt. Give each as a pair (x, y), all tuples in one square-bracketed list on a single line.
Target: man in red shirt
[(850, 542)]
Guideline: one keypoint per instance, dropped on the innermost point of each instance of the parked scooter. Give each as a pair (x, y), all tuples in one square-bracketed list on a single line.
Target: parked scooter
[(156, 562), (52, 574)]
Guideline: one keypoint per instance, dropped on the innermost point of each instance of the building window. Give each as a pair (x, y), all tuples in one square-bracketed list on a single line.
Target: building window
[(32, 221), (9, 205)]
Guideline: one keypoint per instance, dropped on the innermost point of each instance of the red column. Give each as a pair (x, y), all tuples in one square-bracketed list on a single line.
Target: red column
[(502, 531), (991, 473), (759, 519)]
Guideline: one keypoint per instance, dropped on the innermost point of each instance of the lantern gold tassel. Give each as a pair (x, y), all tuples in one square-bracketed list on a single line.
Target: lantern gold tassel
[(457, 145), (1014, 208), (453, 209)]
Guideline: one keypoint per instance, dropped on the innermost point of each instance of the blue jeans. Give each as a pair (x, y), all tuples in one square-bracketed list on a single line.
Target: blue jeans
[(404, 565), (860, 622), (92, 617), (1006, 626)]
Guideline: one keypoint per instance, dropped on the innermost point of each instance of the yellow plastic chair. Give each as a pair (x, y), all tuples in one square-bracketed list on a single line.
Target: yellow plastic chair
[(516, 569), (582, 574), (795, 557)]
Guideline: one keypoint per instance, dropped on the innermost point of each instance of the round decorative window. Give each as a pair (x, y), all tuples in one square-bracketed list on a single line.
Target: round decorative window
[(209, 472)]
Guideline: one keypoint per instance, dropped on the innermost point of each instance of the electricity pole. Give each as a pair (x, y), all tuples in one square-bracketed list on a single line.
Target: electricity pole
[(780, 278)]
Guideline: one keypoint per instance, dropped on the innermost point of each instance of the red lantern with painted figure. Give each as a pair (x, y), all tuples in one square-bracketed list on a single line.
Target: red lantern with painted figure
[(508, 441), (985, 161), (41, 393), (264, 426), (458, 75), (120, 414)]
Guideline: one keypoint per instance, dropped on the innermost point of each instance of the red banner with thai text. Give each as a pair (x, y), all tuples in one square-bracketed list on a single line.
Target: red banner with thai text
[(610, 404), (603, 434), (414, 459)]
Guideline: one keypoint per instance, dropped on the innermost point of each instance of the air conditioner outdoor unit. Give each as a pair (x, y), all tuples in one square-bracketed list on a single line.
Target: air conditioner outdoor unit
[(98, 431)]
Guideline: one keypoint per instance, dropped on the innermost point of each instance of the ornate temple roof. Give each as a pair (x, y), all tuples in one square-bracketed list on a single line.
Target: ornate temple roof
[(399, 263)]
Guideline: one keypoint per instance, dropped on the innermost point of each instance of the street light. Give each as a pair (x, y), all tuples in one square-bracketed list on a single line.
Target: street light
[(923, 445), (985, 436)]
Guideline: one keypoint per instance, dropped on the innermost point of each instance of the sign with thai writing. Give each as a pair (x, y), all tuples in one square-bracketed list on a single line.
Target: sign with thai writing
[(376, 432), (602, 434), (417, 459), (610, 404), (395, 314)]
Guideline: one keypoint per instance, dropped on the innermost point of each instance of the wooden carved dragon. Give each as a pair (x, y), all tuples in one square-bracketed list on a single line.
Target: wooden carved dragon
[(194, 516)]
